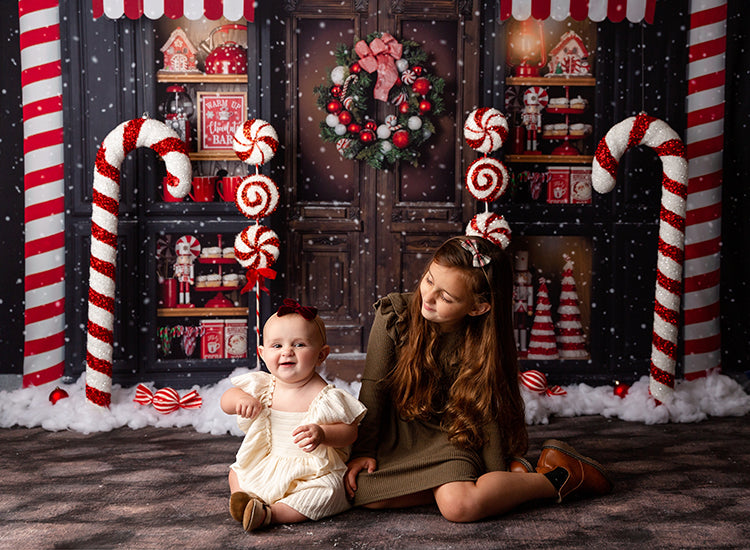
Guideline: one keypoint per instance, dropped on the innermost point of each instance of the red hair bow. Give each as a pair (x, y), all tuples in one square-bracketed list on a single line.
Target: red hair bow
[(167, 400), (291, 306)]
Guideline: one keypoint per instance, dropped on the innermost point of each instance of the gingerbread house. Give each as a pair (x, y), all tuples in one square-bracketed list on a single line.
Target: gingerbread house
[(569, 56), (179, 53)]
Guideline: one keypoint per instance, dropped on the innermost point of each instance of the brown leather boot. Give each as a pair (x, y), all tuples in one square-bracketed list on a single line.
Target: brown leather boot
[(237, 503), (520, 465), (571, 472)]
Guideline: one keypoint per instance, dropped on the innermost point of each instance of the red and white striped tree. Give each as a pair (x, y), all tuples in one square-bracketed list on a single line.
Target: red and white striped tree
[(542, 344), (570, 338)]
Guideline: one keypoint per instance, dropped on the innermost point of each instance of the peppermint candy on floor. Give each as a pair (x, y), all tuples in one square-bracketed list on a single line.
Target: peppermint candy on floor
[(257, 196), (487, 179), (536, 381), (485, 129), (255, 142), (167, 400), (490, 226), (141, 132), (656, 134)]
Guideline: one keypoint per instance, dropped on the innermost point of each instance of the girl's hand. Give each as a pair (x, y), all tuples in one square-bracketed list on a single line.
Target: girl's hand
[(352, 470), (308, 437), (248, 407)]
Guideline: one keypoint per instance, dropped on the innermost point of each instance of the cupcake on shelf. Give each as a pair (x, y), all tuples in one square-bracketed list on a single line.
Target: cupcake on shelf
[(580, 130), (558, 103), (213, 280), (578, 103), (227, 252), (211, 252), (201, 281), (230, 280)]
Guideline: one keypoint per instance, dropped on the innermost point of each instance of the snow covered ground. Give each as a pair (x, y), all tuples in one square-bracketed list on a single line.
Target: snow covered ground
[(715, 395)]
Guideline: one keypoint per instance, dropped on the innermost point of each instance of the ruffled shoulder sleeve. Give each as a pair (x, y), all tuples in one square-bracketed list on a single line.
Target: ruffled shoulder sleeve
[(255, 383), (393, 309), (333, 405)]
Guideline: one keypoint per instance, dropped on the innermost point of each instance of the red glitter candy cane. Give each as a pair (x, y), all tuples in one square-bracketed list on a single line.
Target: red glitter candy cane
[(141, 132), (656, 134)]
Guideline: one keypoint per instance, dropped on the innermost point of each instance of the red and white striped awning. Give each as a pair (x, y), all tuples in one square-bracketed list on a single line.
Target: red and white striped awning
[(233, 10), (634, 11)]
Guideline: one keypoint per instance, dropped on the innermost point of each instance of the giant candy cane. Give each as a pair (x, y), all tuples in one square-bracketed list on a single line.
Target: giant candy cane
[(656, 134), (141, 132)]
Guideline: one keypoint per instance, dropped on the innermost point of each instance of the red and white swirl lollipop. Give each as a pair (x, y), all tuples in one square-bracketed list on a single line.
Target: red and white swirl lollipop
[(256, 247), (536, 95), (189, 242), (487, 179), (255, 142), (485, 129), (140, 132), (490, 226), (257, 196)]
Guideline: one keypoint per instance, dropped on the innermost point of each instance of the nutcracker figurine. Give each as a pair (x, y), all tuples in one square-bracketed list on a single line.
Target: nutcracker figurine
[(183, 270), (523, 299), (534, 100)]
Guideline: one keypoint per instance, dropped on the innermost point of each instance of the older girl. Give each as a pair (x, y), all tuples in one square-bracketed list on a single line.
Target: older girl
[(445, 414)]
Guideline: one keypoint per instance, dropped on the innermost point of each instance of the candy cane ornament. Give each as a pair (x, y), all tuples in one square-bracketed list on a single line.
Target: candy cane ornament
[(656, 134), (141, 132)]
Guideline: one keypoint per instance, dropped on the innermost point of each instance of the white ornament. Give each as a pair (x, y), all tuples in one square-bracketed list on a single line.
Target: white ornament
[(386, 146), (414, 123), (340, 129), (383, 132), (332, 120), (338, 75), (402, 64)]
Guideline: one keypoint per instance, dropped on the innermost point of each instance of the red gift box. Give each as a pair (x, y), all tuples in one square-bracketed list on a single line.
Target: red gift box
[(212, 342), (558, 186)]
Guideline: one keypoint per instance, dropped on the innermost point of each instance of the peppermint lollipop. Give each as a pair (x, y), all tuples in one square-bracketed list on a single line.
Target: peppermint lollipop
[(256, 247), (257, 196), (485, 130), (487, 179), (490, 226), (255, 142)]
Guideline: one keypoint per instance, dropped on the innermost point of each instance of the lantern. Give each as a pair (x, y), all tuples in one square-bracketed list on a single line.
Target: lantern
[(526, 47)]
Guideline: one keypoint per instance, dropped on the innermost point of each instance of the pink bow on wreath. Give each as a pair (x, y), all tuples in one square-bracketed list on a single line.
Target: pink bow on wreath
[(380, 56), (258, 276), (167, 400), (537, 382)]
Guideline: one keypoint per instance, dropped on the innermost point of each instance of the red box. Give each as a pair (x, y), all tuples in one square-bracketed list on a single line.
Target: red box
[(235, 338), (212, 341), (558, 186), (580, 185)]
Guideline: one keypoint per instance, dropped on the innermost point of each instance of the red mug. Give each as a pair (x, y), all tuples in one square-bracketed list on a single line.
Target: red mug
[(228, 187), (168, 296), (166, 195), (204, 189)]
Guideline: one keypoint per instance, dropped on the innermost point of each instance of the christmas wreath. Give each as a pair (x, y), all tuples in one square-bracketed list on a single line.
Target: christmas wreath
[(380, 67)]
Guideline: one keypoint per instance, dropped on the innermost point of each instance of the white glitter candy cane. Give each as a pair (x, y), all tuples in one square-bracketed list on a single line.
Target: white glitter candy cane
[(141, 132), (656, 134)]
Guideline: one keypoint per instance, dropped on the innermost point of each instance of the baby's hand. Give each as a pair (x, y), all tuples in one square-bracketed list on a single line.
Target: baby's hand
[(308, 437), (248, 407)]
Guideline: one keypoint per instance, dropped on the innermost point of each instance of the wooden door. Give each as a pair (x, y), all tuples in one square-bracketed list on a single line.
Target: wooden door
[(355, 233)]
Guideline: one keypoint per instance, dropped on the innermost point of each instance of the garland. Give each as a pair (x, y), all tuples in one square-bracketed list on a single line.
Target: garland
[(379, 67)]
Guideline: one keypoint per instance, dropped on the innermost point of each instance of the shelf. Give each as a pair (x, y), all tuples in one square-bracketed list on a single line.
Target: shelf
[(550, 159), (215, 289), (202, 312), (216, 260), (200, 78), (228, 154), (564, 111), (551, 81)]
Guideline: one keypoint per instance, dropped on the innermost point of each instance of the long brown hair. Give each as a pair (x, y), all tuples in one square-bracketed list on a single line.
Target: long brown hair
[(486, 385)]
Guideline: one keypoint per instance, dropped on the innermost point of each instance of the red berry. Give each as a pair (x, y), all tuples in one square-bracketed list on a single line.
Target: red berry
[(355, 68)]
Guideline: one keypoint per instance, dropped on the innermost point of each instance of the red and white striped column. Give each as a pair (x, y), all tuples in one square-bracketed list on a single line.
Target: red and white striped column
[(705, 144), (44, 217)]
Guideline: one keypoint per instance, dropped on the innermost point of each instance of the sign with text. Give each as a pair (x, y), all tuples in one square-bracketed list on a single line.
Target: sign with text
[(219, 116)]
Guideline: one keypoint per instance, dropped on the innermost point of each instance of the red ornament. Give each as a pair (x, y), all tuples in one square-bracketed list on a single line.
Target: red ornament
[(367, 136), (336, 90), (57, 394), (354, 128), (398, 82), (425, 106), (345, 117), (355, 68), (401, 139), (621, 390), (418, 70), (404, 108), (334, 106), (421, 86), (370, 125)]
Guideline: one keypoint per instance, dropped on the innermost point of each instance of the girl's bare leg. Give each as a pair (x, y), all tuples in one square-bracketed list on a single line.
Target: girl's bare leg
[(494, 493)]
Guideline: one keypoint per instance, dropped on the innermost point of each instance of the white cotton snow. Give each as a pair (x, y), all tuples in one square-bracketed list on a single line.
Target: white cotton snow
[(714, 395)]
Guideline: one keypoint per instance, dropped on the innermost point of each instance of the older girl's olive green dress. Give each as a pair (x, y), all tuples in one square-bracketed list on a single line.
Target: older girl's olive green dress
[(411, 455)]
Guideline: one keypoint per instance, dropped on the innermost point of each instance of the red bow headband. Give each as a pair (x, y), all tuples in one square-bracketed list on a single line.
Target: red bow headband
[(291, 306)]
